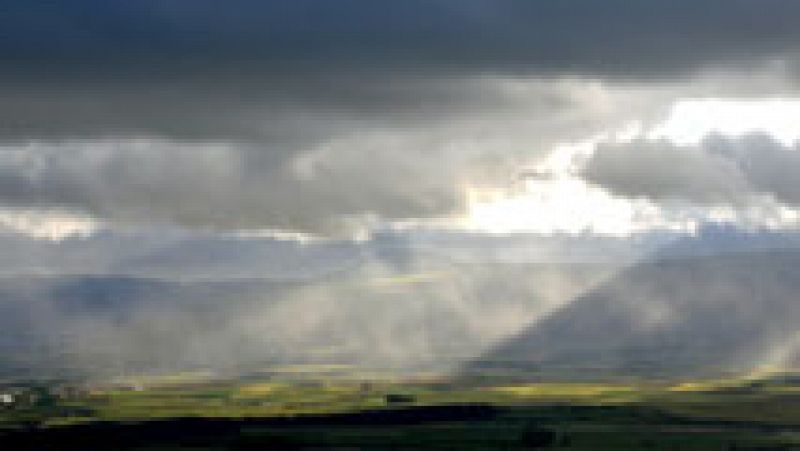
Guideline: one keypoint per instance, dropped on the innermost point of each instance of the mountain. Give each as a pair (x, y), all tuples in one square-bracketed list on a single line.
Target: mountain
[(585, 307), (668, 315)]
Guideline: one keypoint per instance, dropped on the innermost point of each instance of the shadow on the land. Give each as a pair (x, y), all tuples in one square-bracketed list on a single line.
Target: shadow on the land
[(228, 433)]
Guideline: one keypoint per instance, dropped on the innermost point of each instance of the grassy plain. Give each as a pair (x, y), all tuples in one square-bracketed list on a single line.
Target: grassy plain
[(285, 413)]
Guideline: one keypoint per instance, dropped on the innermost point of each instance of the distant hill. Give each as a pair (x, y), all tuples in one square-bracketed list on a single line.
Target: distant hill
[(534, 306), (669, 315)]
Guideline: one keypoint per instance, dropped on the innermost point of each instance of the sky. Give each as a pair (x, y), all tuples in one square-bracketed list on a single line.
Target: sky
[(292, 140)]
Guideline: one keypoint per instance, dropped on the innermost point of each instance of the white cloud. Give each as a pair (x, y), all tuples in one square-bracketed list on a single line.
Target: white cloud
[(48, 225)]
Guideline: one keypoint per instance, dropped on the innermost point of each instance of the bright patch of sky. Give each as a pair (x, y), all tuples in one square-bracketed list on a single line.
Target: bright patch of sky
[(554, 199), (47, 224), (691, 120)]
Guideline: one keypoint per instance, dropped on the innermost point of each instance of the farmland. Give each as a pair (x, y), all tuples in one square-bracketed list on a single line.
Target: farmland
[(184, 412)]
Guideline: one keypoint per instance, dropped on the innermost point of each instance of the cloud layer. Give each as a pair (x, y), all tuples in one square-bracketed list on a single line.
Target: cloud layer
[(313, 117), (583, 36), (719, 170), (305, 168)]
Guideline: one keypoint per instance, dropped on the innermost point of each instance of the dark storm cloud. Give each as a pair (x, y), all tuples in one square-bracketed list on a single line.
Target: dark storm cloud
[(253, 69), (246, 69), (322, 111), (580, 35), (720, 170)]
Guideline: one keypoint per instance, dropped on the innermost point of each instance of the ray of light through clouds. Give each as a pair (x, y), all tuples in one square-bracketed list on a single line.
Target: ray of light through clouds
[(227, 185)]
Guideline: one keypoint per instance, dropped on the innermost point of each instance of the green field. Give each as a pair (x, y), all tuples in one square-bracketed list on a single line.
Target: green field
[(749, 413)]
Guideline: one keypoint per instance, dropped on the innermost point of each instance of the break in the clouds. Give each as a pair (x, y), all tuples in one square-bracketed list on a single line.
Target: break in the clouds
[(326, 117)]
